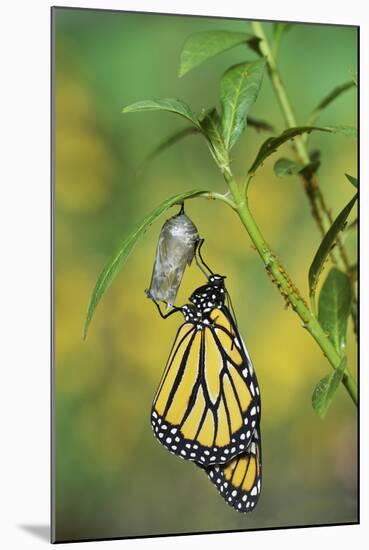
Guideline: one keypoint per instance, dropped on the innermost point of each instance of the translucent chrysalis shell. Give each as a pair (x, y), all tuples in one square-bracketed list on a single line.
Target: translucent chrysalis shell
[(175, 250)]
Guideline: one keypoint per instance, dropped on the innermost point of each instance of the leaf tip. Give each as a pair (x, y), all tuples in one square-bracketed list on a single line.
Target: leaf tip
[(352, 180), (85, 329)]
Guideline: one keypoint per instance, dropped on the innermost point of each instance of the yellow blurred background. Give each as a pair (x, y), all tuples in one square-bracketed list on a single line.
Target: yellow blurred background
[(112, 477)]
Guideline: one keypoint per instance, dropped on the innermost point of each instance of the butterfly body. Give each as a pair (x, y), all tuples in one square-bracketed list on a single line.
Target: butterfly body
[(207, 406)]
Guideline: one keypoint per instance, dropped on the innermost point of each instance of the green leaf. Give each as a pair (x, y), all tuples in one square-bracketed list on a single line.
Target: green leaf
[(271, 144), (210, 125), (353, 225), (201, 46), (348, 131), (352, 180), (259, 125), (171, 105), (286, 167), (334, 307), (171, 140), (326, 245), (325, 390), (114, 265), (239, 89), (334, 94)]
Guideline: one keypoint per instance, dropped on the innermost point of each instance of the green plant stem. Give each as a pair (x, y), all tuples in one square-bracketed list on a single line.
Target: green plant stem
[(318, 205), (219, 196), (319, 209), (285, 286)]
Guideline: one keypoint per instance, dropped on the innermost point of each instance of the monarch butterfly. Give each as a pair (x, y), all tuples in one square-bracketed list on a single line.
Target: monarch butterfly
[(207, 406)]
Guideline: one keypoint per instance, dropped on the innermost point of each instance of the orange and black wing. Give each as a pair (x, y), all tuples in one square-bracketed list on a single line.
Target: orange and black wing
[(239, 481), (208, 402)]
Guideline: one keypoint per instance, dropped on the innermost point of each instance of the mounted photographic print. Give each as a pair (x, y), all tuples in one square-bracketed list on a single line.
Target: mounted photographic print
[(205, 183)]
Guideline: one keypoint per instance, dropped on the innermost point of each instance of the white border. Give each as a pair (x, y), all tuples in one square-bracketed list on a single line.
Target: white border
[(24, 219)]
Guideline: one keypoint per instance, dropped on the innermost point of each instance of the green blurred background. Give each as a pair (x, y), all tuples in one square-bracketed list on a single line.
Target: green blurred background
[(112, 477)]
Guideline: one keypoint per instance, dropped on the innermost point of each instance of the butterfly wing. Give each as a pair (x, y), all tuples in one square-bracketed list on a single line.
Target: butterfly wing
[(239, 481), (208, 402)]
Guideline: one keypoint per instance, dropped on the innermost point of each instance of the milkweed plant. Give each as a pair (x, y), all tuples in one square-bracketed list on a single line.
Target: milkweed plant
[(325, 315)]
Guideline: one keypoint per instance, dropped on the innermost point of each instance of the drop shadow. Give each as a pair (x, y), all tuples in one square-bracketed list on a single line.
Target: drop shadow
[(40, 531)]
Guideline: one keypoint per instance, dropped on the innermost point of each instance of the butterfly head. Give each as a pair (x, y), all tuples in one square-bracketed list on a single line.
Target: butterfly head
[(217, 280)]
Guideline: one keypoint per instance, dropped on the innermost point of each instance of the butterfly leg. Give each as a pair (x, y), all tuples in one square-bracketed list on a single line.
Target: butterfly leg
[(165, 315)]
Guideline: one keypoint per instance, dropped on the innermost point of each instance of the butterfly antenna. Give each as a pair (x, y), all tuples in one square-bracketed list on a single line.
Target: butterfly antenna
[(198, 253), (232, 309), (230, 305)]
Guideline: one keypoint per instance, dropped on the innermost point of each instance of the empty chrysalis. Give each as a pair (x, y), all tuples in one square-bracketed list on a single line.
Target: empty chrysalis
[(175, 250)]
